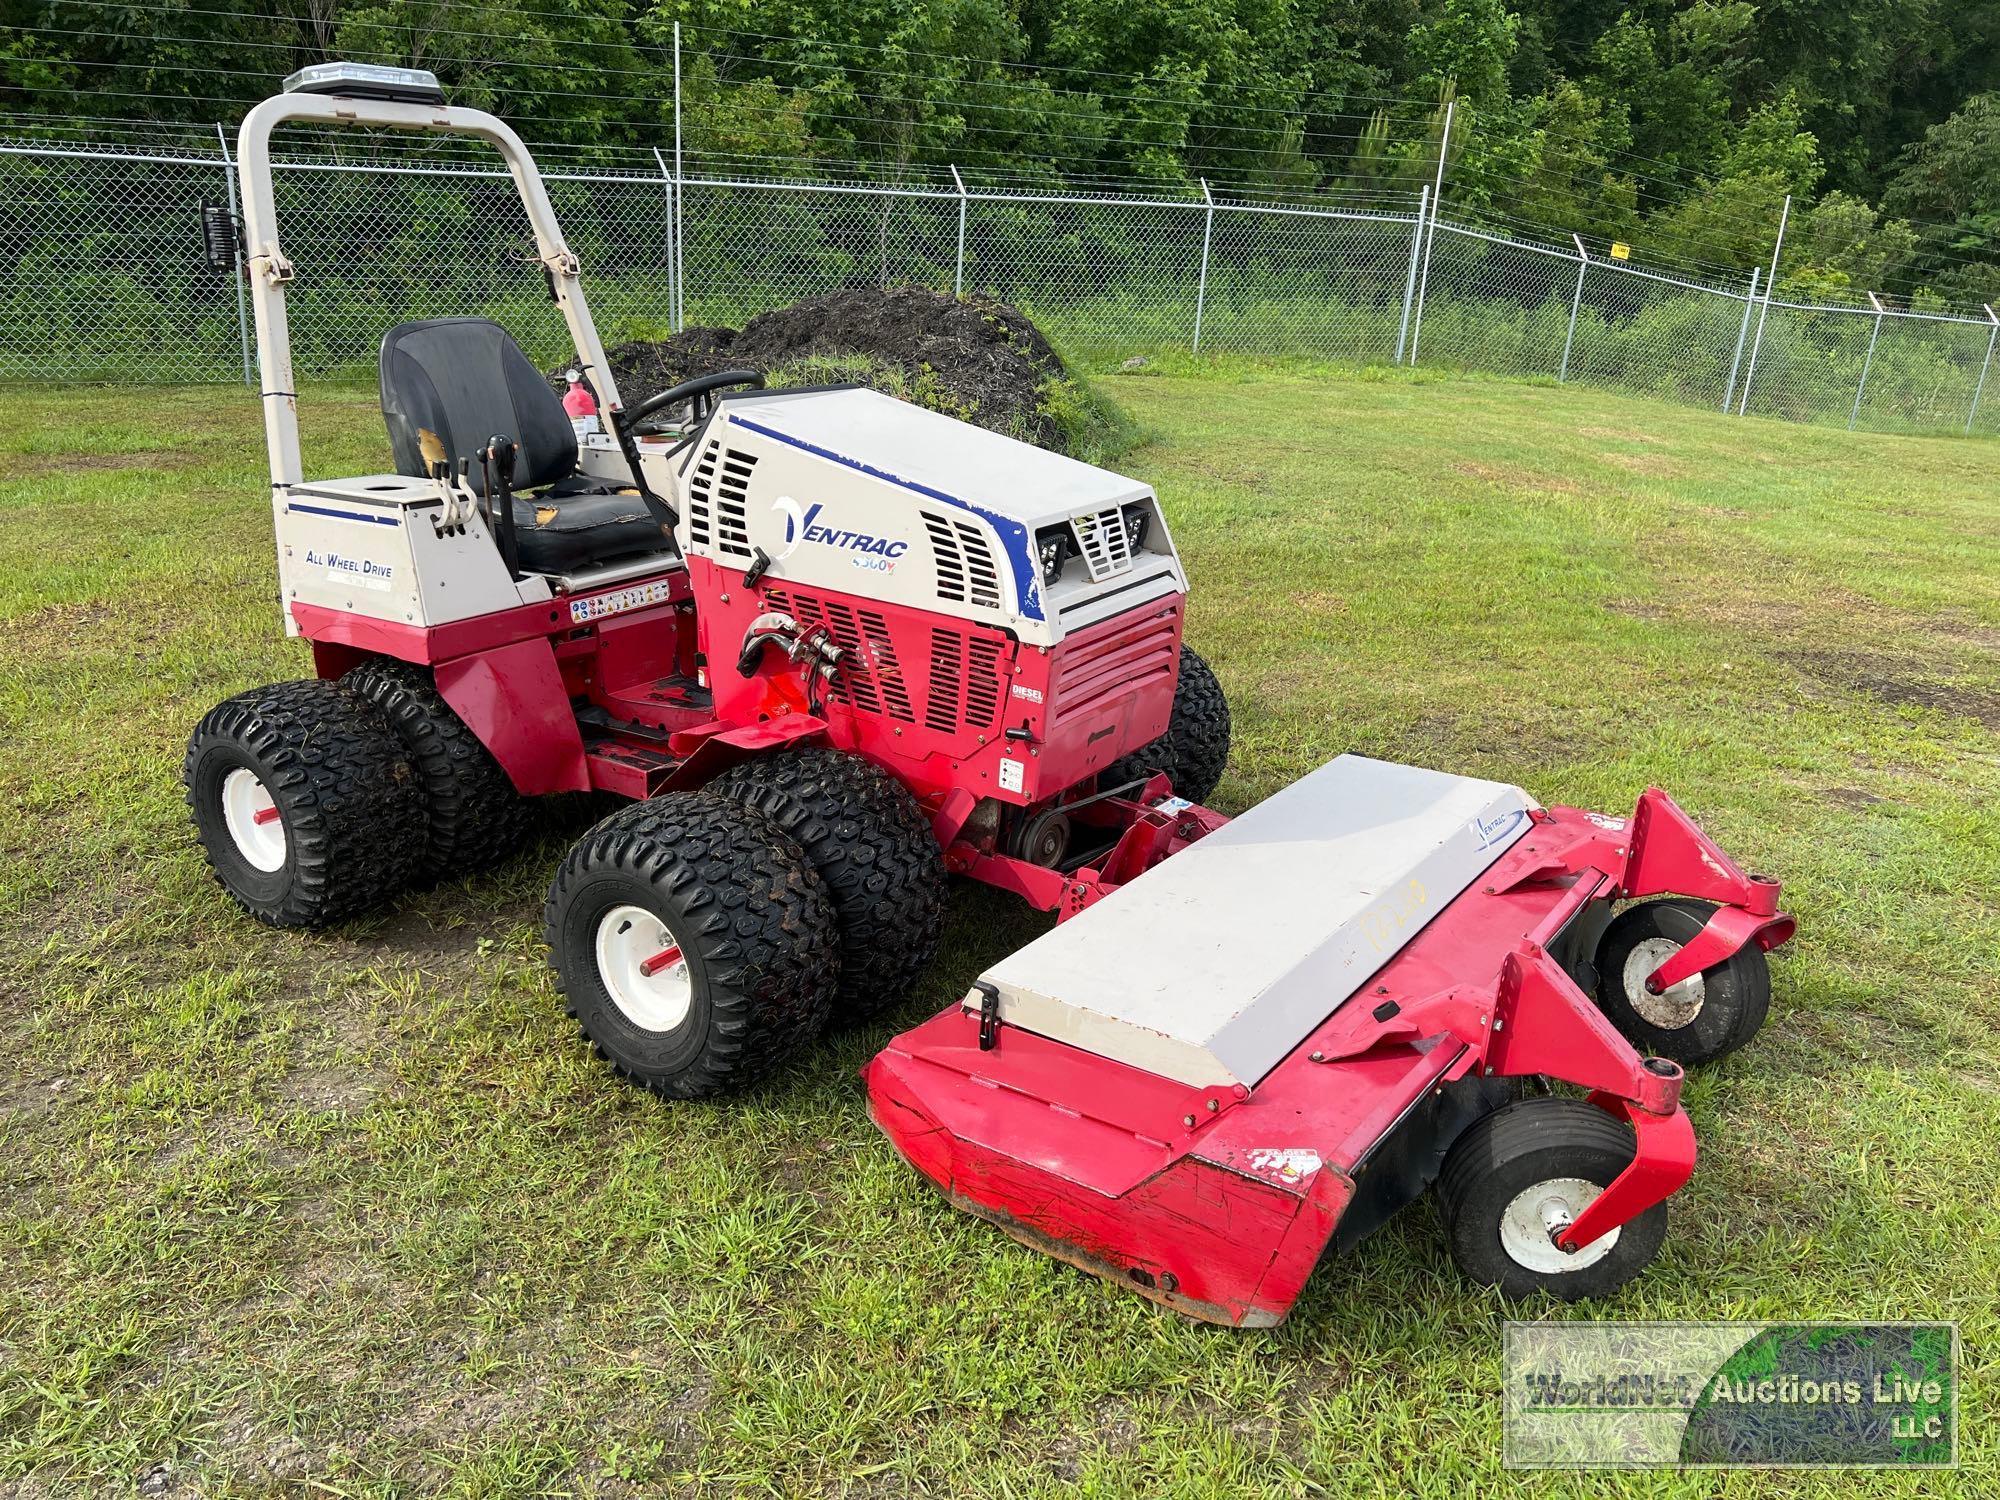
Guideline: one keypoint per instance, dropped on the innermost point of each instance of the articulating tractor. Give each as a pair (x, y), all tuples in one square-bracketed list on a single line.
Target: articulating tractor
[(832, 648)]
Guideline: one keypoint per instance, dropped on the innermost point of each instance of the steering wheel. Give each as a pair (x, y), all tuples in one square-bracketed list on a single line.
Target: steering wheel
[(700, 391)]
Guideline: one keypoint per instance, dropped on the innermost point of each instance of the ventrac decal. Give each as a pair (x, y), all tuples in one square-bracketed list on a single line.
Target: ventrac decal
[(877, 554), (599, 605), (343, 568), (1489, 831)]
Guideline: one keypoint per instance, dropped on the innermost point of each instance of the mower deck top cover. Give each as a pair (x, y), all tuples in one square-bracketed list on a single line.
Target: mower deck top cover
[(933, 455), (1215, 964)]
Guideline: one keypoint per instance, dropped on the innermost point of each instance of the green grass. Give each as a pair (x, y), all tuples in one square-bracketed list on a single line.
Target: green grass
[(357, 1211)]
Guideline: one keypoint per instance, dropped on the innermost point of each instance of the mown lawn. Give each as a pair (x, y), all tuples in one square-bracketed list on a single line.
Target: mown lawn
[(356, 1212)]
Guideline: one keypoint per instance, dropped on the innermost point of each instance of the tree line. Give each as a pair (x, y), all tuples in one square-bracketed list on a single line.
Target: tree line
[(1678, 129)]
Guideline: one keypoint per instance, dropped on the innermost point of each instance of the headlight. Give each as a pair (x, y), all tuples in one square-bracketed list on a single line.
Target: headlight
[(1053, 545), (1138, 516)]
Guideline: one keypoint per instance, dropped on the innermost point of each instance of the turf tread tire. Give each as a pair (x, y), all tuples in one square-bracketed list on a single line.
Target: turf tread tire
[(343, 786), (473, 816), (865, 835), (745, 905), (1736, 992), (1512, 1149), (1195, 749)]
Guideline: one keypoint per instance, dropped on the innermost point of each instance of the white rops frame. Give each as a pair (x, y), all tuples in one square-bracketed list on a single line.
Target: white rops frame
[(269, 271)]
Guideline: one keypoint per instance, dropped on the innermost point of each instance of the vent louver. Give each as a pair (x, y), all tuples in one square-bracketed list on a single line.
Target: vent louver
[(701, 492), (1102, 540), (732, 504), (963, 561)]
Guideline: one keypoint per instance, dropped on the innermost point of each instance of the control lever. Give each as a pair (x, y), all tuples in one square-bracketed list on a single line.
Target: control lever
[(497, 463)]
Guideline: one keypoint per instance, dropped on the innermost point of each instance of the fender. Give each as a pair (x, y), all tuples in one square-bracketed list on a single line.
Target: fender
[(513, 698)]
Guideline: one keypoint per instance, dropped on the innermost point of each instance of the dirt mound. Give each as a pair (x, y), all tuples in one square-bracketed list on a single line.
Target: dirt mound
[(976, 358)]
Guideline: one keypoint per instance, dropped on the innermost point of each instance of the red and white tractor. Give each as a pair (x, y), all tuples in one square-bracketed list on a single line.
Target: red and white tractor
[(833, 648)]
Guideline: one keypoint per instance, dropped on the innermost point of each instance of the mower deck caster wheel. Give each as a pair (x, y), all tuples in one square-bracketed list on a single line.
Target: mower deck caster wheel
[(693, 944), (1520, 1176), (864, 834), (473, 816), (1704, 1017), (303, 802)]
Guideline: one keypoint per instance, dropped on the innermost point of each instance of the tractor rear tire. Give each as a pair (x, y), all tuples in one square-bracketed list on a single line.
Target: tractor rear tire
[(473, 816), (1517, 1175), (1704, 1017), (304, 803), (863, 832), (693, 944), (1195, 748)]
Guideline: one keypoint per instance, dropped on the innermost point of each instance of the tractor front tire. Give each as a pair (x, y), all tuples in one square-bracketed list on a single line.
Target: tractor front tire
[(693, 944), (1522, 1173), (869, 841), (1195, 748), (473, 816), (304, 803), (1704, 1017)]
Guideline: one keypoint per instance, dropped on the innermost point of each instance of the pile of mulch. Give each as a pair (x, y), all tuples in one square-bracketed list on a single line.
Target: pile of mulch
[(976, 358)]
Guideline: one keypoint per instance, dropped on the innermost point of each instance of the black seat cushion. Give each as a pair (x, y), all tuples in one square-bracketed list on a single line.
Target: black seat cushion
[(466, 380), (562, 532)]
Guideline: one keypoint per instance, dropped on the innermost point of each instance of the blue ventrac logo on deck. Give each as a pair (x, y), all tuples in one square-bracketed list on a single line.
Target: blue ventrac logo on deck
[(866, 550)]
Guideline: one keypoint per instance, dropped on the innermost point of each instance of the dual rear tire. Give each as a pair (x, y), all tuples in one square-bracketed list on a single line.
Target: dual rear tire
[(700, 938), (316, 800)]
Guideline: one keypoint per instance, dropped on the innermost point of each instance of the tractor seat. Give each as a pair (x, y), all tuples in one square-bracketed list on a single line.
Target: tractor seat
[(466, 380)]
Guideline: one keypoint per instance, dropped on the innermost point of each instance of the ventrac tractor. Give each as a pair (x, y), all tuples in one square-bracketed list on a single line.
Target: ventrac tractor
[(832, 649)]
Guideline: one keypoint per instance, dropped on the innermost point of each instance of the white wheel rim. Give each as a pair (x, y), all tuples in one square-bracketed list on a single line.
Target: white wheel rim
[(1531, 1222), (643, 968), (251, 816), (1672, 1008)]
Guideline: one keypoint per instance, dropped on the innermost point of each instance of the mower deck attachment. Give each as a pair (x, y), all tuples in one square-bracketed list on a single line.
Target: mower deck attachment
[(1272, 1040)]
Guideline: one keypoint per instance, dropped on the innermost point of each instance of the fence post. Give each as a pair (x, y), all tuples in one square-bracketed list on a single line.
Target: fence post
[(1430, 239), (1207, 235), (680, 192), (1750, 373), (1866, 360), (235, 217), (673, 267), (1742, 337), (958, 270), (1575, 305), (1410, 282), (1977, 389)]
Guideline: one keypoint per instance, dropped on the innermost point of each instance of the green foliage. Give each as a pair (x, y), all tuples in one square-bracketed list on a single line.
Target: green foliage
[(1677, 127)]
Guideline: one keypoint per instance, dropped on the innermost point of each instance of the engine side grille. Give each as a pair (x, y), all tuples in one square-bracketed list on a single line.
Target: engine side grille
[(701, 492), (963, 560), (732, 504), (965, 688), (1102, 540)]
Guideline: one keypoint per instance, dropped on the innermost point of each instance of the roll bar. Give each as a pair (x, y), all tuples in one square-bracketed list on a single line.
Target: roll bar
[(269, 271)]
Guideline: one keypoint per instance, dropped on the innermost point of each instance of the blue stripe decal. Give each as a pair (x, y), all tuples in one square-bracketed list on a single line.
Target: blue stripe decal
[(1013, 535), (342, 515)]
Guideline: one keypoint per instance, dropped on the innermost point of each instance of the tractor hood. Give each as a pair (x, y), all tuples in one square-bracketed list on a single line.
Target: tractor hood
[(853, 490)]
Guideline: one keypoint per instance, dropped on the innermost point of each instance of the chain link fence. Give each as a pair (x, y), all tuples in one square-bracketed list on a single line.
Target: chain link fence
[(108, 281)]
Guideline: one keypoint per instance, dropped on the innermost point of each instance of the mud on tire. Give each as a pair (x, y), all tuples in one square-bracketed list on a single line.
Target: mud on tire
[(864, 833), (1195, 748), (473, 816), (304, 803), (752, 923)]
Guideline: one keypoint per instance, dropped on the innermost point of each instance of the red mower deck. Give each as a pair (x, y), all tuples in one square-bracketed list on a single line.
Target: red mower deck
[(1219, 1200)]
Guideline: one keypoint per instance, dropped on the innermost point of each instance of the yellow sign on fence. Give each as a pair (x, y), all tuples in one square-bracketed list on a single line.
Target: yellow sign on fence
[(1621, 251)]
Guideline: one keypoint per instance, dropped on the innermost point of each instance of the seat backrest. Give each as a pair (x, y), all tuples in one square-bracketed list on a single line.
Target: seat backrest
[(466, 380)]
